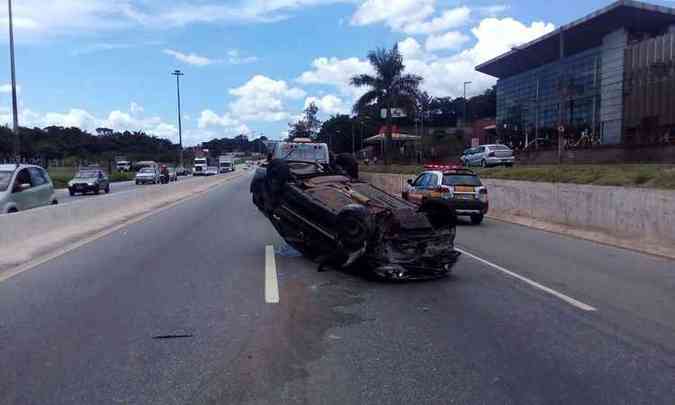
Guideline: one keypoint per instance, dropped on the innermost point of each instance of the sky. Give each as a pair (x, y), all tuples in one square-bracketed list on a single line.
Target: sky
[(250, 66)]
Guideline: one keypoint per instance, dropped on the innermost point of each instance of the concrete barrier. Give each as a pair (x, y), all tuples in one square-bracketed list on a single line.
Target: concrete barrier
[(638, 218), (28, 234)]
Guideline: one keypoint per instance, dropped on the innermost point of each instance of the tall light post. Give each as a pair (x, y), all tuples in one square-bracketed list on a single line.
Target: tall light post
[(465, 102), (178, 74), (15, 114)]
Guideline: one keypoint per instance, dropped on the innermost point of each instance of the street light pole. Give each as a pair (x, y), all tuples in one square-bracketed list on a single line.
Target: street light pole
[(465, 102), (15, 113), (178, 74)]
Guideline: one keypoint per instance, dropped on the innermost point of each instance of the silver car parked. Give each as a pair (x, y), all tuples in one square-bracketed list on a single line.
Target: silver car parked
[(23, 187), (488, 155)]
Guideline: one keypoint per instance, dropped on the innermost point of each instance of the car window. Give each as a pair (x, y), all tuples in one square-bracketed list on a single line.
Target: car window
[(461, 180), (500, 147), (23, 178), (36, 176), (432, 180), (5, 178), (481, 149), (419, 180)]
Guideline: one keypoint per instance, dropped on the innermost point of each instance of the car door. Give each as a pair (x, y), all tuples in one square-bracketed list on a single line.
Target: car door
[(431, 187), (418, 188), (478, 155), (24, 198), (42, 190)]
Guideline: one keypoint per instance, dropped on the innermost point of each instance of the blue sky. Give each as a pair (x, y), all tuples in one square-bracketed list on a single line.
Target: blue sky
[(250, 66)]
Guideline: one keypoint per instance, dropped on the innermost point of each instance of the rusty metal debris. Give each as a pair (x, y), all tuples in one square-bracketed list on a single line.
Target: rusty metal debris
[(343, 222)]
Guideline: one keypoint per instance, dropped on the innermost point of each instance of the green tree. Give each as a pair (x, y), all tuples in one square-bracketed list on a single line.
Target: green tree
[(390, 87), (308, 126)]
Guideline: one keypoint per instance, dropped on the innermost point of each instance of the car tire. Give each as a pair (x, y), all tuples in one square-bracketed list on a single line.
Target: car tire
[(483, 164), (138, 182), (107, 189), (353, 229), (55, 202), (277, 176), (476, 219), (348, 164), (71, 192), (12, 210)]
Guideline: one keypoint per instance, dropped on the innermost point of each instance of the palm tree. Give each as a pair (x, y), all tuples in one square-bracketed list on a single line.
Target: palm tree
[(424, 101), (389, 87)]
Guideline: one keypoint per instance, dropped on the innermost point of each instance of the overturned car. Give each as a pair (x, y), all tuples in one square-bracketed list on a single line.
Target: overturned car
[(328, 215)]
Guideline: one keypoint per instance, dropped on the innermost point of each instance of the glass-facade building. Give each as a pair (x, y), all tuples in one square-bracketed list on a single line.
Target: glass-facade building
[(573, 78)]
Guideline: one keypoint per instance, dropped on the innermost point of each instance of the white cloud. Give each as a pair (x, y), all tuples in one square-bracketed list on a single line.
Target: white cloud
[(396, 14), (136, 108), (87, 121), (262, 98), (494, 10), (443, 76), (7, 89), (449, 40), (234, 57), (410, 48), (336, 72), (42, 18), (410, 16), (208, 118), (190, 58), (328, 104), (449, 19)]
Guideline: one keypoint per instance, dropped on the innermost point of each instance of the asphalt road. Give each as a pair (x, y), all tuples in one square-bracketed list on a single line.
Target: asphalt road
[(80, 328)]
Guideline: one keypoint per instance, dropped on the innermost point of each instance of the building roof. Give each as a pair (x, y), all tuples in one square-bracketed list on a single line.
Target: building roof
[(396, 137), (580, 35)]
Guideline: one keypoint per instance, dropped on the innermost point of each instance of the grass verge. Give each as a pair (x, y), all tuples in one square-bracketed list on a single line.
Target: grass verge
[(624, 175)]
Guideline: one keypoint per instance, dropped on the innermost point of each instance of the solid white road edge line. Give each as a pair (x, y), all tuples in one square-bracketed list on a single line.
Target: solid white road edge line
[(561, 296), (271, 282)]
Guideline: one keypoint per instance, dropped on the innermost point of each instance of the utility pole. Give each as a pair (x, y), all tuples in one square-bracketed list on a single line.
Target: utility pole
[(178, 74), (15, 113), (465, 103)]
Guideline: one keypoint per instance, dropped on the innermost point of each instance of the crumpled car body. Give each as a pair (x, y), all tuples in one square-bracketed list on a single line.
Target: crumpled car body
[(340, 221)]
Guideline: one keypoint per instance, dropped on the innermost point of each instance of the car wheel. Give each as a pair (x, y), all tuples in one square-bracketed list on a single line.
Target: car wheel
[(55, 202), (138, 182), (71, 192), (483, 164), (346, 163), (12, 210), (476, 219), (277, 175), (107, 189)]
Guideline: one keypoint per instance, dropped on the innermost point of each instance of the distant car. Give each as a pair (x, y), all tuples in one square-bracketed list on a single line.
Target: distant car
[(182, 171), (488, 155), (24, 187), (147, 175), (211, 170), (89, 180), (459, 188), (173, 174)]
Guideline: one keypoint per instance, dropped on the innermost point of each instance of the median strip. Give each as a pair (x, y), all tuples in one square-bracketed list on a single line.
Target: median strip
[(575, 303)]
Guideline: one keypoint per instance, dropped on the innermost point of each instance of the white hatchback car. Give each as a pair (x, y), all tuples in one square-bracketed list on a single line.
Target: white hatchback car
[(23, 187)]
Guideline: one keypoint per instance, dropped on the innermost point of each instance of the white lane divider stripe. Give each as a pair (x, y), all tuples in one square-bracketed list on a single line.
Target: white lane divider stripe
[(271, 282), (561, 296)]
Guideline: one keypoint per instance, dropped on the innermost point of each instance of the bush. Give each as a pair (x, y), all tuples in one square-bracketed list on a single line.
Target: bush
[(121, 176)]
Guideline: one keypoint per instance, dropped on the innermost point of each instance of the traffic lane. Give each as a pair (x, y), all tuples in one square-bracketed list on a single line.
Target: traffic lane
[(64, 197), (80, 329), (631, 289)]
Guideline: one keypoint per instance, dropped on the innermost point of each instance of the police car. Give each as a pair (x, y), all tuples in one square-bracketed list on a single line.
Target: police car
[(458, 186)]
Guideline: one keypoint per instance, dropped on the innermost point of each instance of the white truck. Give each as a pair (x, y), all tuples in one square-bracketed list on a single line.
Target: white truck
[(122, 164), (200, 166), (225, 164)]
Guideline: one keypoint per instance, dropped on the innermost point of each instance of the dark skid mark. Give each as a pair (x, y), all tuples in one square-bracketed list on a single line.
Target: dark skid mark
[(174, 336)]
